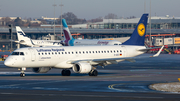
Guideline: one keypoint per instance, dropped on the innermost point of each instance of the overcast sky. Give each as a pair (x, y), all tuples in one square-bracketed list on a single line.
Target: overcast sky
[(88, 9)]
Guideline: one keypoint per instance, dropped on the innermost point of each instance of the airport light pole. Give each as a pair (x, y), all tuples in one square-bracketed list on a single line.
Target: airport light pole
[(10, 31), (61, 5), (150, 42), (144, 6), (54, 17)]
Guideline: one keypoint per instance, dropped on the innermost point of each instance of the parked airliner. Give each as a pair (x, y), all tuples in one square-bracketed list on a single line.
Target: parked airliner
[(24, 40), (82, 59), (70, 41)]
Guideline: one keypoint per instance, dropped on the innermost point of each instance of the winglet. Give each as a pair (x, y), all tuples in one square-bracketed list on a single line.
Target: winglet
[(157, 54)]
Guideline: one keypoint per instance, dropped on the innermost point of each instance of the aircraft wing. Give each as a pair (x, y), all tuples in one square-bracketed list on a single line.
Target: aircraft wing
[(113, 60)]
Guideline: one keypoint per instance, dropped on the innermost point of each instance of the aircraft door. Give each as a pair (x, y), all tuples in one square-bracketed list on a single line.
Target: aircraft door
[(33, 56), (124, 51)]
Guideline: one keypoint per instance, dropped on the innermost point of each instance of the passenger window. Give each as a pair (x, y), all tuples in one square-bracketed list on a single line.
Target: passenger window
[(89, 51), (86, 51), (52, 53), (69, 52), (120, 51), (104, 51), (107, 51), (62, 53), (76, 52), (49, 53), (65, 52), (42, 53), (99, 51), (55, 52), (83, 52), (117, 51), (114, 51), (93, 51), (39, 53), (45, 53), (72, 53), (59, 52)]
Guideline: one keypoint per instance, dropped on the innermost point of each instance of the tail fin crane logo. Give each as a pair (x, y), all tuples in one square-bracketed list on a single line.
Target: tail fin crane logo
[(141, 29)]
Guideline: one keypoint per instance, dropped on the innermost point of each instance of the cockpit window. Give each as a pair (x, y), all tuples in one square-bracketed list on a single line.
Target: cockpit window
[(17, 53), (21, 53)]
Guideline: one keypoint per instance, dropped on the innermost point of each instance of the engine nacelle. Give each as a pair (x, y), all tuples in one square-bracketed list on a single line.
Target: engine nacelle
[(82, 67), (41, 69)]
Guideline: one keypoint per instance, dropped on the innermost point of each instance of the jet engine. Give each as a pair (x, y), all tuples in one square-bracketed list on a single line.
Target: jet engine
[(82, 67), (41, 69)]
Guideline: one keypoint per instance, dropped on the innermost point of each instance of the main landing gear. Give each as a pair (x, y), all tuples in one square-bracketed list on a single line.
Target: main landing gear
[(22, 72), (66, 72), (93, 73)]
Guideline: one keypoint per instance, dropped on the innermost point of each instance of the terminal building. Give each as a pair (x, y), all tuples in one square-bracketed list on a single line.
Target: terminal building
[(156, 23), (109, 28)]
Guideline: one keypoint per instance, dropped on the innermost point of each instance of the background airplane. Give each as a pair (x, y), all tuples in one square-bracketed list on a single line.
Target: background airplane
[(24, 40), (70, 41), (82, 59)]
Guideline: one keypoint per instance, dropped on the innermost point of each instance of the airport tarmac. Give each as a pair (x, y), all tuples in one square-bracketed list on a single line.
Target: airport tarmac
[(124, 81)]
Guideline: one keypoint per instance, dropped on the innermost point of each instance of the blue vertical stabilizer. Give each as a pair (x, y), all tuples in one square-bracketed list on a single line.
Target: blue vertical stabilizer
[(138, 36)]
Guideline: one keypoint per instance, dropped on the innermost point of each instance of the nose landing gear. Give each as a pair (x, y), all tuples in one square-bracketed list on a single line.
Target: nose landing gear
[(22, 75), (22, 71)]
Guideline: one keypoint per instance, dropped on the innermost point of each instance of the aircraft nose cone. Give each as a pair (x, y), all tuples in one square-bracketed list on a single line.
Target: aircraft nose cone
[(7, 63)]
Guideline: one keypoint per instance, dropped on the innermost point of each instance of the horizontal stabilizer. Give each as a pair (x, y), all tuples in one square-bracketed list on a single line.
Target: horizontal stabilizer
[(146, 49)]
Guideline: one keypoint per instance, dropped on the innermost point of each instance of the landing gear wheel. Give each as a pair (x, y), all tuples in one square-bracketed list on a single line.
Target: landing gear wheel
[(93, 73), (66, 72), (22, 75), (90, 74)]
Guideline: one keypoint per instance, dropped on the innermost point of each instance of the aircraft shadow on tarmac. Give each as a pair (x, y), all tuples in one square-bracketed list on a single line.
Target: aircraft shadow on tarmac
[(49, 74)]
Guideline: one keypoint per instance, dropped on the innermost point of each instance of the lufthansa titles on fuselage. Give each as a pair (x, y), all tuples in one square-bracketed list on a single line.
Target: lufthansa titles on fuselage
[(50, 50)]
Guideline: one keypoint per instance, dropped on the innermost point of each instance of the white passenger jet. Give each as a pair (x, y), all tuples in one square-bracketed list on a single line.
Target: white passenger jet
[(82, 59), (70, 41), (24, 40)]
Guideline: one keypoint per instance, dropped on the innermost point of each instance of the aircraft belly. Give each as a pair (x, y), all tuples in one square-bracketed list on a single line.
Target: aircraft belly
[(41, 64), (63, 65)]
